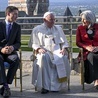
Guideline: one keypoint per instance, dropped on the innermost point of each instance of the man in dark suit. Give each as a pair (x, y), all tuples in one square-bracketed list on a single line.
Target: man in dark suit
[(10, 41)]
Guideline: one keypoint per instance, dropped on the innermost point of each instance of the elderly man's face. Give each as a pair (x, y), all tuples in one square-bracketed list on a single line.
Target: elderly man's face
[(49, 20)]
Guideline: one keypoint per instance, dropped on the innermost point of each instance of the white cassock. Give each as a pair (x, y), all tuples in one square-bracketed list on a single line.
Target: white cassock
[(48, 67)]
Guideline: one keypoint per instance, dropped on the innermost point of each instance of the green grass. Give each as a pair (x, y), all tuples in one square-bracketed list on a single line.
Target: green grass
[(26, 49), (25, 37), (24, 43), (75, 49), (25, 40)]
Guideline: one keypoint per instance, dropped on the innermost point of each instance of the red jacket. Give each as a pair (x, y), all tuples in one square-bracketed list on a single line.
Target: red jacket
[(82, 39)]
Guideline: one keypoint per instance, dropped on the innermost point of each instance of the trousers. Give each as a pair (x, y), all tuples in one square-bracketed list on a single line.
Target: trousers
[(13, 60)]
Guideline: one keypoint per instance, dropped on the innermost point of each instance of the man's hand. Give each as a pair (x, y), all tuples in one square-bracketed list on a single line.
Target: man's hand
[(11, 49), (4, 50), (64, 51), (40, 50), (7, 50)]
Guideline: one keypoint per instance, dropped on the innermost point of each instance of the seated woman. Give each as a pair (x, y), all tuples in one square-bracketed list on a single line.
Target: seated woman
[(51, 67), (87, 38)]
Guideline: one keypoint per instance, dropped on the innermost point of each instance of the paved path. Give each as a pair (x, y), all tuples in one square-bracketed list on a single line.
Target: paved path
[(75, 87), (26, 55), (75, 90)]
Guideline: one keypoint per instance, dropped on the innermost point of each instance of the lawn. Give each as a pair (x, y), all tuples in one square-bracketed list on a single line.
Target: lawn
[(24, 43), (25, 40)]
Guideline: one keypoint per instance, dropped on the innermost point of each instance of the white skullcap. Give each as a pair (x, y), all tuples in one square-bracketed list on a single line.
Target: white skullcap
[(89, 16), (47, 13)]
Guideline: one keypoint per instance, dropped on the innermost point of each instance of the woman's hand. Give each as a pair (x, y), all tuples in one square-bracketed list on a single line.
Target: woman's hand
[(90, 48), (95, 49)]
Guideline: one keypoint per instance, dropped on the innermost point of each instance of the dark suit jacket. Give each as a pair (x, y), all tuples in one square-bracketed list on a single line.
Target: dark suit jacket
[(82, 39), (14, 37)]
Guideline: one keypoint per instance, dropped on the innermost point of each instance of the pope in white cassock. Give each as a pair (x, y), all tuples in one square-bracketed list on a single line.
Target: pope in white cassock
[(51, 63)]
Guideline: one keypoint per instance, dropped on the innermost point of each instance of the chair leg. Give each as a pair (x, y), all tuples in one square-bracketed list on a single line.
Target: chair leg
[(83, 86), (15, 80), (82, 81), (82, 77), (69, 83), (15, 77), (20, 81), (20, 70), (35, 88), (82, 68), (21, 77)]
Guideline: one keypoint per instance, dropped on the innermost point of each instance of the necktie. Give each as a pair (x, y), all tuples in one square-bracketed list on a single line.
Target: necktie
[(9, 30)]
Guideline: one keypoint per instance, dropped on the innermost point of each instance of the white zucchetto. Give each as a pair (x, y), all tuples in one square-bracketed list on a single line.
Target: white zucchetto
[(47, 13)]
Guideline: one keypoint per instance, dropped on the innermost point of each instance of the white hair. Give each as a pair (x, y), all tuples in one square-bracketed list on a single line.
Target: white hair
[(89, 16), (47, 13)]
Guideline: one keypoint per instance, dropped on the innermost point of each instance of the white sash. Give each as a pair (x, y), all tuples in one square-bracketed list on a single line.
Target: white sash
[(59, 62)]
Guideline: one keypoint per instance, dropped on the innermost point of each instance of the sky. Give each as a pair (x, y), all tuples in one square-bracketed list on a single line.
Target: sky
[(57, 0), (68, 0), (62, 0)]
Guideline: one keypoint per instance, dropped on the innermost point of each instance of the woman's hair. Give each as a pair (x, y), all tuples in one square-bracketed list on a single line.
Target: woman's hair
[(89, 16), (10, 9)]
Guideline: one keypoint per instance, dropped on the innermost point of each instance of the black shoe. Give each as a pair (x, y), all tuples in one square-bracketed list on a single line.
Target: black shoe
[(55, 91), (96, 87), (44, 91), (6, 93), (2, 90)]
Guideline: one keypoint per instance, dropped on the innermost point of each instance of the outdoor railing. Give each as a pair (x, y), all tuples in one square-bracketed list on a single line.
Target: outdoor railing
[(68, 24)]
